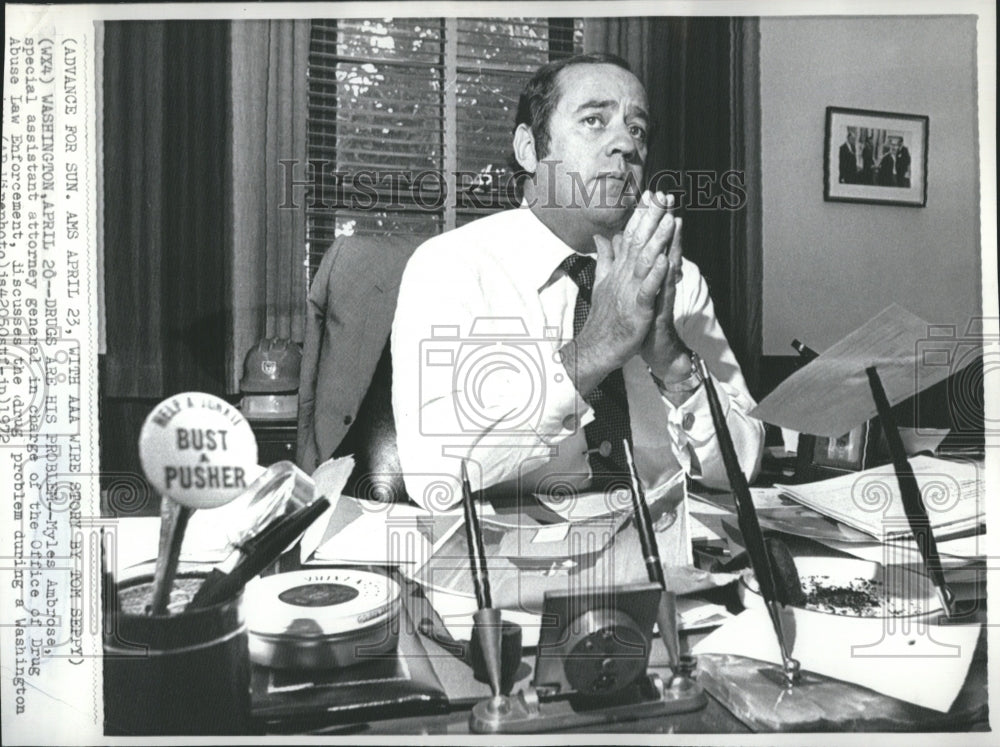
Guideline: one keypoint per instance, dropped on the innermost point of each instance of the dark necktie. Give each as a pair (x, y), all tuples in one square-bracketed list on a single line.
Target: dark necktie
[(611, 424)]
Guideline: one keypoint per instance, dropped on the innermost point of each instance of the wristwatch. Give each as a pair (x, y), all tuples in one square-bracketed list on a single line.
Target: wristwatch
[(690, 384)]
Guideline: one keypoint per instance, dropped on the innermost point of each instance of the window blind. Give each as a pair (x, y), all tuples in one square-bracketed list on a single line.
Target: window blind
[(410, 120)]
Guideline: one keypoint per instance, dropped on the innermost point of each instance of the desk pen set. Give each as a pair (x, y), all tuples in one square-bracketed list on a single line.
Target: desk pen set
[(586, 654), (593, 653), (595, 658)]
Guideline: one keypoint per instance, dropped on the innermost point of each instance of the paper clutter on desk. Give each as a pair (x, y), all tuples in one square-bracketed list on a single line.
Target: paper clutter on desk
[(917, 662), (364, 532), (870, 501)]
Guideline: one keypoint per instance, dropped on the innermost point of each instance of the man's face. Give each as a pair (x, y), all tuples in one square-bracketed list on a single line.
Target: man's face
[(850, 138), (894, 147), (597, 145)]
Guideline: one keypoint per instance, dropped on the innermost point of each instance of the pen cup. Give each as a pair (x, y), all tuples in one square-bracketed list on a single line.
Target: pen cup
[(510, 656), (179, 673)]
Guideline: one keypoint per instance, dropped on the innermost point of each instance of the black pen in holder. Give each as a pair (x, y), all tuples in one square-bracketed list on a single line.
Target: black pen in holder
[(770, 579), (909, 491), (666, 618), (487, 630)]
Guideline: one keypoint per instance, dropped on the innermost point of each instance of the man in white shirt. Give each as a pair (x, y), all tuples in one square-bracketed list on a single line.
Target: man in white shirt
[(505, 353)]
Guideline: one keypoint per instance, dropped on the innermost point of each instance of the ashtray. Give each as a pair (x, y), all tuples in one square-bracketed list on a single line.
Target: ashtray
[(855, 588)]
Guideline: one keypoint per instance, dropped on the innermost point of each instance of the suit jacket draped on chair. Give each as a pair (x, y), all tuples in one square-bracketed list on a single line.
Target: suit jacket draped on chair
[(348, 318)]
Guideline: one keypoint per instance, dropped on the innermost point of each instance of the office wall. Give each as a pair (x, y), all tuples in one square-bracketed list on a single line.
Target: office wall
[(829, 266)]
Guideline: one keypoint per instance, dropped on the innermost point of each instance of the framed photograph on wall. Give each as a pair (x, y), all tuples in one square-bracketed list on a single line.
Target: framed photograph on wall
[(875, 157)]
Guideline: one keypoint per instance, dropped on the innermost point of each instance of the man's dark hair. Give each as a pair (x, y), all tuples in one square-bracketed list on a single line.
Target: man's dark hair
[(541, 94), (539, 99)]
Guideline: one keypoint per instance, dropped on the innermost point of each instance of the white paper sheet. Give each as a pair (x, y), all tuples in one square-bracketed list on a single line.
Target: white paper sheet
[(364, 532), (831, 395), (920, 664), (955, 553), (373, 539)]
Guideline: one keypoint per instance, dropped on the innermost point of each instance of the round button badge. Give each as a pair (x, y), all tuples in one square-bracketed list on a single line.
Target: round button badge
[(198, 449)]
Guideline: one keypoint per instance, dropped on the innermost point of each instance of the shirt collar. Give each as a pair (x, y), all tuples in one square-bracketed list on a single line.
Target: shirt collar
[(540, 250)]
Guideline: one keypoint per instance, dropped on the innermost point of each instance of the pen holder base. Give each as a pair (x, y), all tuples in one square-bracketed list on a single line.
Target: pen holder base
[(509, 657), (757, 695), (592, 667), (526, 713)]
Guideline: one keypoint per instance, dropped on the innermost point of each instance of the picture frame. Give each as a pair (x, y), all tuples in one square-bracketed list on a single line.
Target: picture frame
[(861, 448), (875, 157), (847, 453)]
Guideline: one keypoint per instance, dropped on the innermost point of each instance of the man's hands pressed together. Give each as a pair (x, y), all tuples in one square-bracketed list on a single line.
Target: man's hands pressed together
[(632, 305), (663, 350)]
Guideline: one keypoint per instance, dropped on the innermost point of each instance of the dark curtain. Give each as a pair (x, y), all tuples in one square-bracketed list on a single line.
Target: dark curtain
[(165, 125), (701, 77), (164, 154)]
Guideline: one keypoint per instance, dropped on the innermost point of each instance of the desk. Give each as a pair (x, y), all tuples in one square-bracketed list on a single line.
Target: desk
[(884, 714), (452, 718), (463, 690), (713, 719)]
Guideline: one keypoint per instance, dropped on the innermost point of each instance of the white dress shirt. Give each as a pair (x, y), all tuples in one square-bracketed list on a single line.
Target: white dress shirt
[(482, 312)]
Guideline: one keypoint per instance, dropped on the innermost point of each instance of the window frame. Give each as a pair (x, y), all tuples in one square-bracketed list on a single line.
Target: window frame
[(563, 37)]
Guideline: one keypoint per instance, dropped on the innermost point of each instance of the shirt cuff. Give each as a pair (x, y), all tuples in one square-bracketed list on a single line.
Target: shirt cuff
[(690, 424), (564, 411)]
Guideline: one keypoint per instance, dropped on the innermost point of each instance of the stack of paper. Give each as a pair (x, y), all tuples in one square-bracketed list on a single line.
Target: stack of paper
[(870, 501)]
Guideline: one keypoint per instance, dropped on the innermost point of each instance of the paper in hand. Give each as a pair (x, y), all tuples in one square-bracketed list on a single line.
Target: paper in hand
[(831, 395)]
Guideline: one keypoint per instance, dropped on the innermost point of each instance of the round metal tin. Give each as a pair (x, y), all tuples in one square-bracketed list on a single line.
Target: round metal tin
[(321, 619)]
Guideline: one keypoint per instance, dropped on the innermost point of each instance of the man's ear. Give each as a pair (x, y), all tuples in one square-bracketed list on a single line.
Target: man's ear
[(524, 148)]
